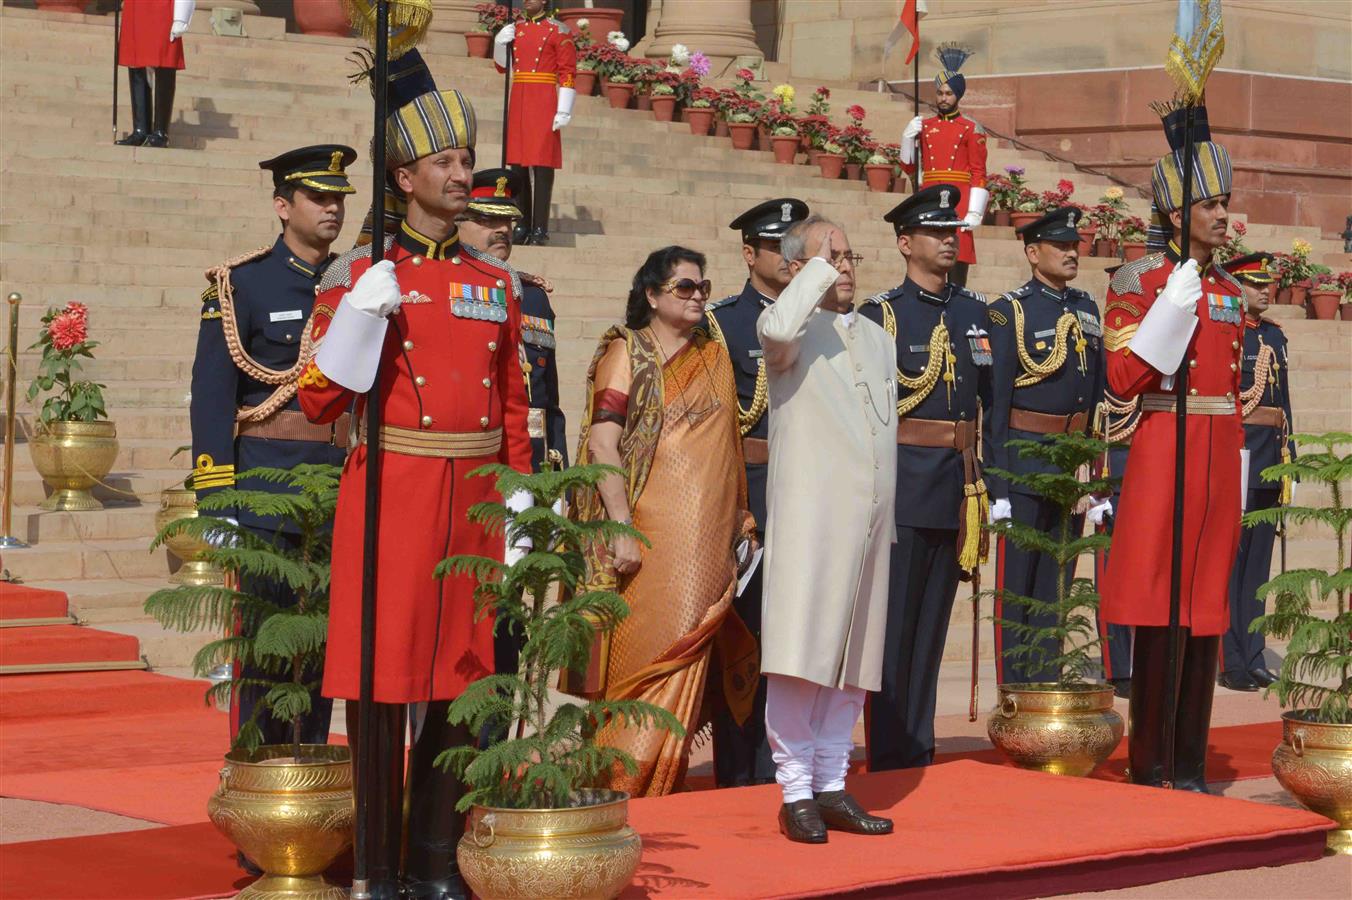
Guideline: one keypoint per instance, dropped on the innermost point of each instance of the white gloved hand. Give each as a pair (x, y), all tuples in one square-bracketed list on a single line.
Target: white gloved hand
[(182, 15), (516, 549), (1099, 511), (1000, 510), (217, 538), (563, 113), (507, 34), (908, 136), (176, 30), (376, 292), (976, 206), (1184, 287)]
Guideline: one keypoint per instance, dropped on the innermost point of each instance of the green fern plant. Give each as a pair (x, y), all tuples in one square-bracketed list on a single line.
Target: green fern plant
[(1314, 676), (1072, 631), (286, 644), (557, 755)]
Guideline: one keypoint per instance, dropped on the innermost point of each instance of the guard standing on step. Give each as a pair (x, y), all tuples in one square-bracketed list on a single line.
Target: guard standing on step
[(152, 38), (1166, 311), (1047, 339), (251, 348), (943, 383), (1266, 404), (742, 752), (952, 150), (544, 59)]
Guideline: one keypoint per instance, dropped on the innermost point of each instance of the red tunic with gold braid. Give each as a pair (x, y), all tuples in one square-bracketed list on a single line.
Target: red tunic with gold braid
[(544, 58), (448, 379), (953, 151), (1136, 589)]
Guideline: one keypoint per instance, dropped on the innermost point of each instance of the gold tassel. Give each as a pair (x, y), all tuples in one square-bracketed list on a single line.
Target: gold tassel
[(975, 542), (409, 21), (1286, 479)]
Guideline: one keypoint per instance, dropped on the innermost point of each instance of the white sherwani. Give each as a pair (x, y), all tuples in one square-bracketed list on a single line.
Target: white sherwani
[(830, 487)]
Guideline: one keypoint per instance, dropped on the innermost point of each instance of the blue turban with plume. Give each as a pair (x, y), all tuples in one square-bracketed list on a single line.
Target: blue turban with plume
[(951, 57)]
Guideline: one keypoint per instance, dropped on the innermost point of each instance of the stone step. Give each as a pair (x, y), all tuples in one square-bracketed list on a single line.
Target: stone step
[(117, 521), (102, 558)]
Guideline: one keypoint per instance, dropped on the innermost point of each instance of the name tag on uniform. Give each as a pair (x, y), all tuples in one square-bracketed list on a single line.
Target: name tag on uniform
[(1089, 323), (918, 348), (290, 315), (755, 354), (980, 344), (1041, 334)]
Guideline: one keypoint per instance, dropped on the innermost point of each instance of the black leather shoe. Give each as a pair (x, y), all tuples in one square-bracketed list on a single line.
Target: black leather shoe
[(801, 821), (843, 813), (520, 235), (441, 889), (1262, 676), (1236, 681), (135, 139), (157, 139), (1121, 687), (539, 237)]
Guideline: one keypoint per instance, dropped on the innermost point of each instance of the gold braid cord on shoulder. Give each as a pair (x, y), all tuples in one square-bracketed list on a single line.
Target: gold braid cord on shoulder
[(1123, 412), (760, 397), (1033, 371), (284, 379), (923, 384), (1261, 370)]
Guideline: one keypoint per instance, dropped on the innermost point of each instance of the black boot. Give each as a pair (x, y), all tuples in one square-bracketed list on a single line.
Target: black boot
[(1150, 685), (138, 86), (521, 231), (543, 192), (165, 80), (386, 813), (1196, 689), (434, 825), (958, 274)]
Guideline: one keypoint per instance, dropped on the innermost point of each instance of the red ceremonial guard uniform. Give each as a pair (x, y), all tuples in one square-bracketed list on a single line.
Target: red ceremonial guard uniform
[(151, 38), (544, 59), (453, 399), (952, 151), (1162, 318)]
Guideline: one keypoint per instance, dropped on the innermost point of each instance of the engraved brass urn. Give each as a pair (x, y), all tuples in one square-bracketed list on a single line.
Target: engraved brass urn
[(583, 851), (1314, 763), (292, 819), (1063, 729), (181, 503), (72, 457)]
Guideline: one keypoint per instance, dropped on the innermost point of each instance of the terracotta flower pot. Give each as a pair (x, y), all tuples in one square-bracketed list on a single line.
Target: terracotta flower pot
[(699, 120), (643, 102), (64, 6), (786, 148), (1087, 241), (721, 128), (878, 177), (1345, 312), (854, 171), (584, 83), (1283, 295), (1298, 293), (664, 107), (831, 164), (812, 155), (601, 20), (618, 94), (1000, 217), (479, 44), (1020, 219), (329, 17), (743, 134), (1133, 250), (1326, 302), (1105, 247)]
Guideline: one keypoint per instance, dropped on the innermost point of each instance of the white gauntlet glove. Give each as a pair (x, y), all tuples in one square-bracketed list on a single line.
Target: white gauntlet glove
[(1184, 287), (976, 206), (505, 37), (350, 351), (515, 550), (564, 113), (908, 136), (376, 292), (183, 10), (1000, 510), (1168, 326), (1099, 511)]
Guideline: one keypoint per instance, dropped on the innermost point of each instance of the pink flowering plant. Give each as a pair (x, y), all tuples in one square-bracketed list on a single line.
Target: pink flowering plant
[(64, 340), (700, 65)]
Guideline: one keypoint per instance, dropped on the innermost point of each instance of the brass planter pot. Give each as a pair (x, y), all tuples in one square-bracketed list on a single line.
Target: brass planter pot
[(292, 819), (72, 457), (181, 503), (1314, 763), (1062, 729), (586, 851)]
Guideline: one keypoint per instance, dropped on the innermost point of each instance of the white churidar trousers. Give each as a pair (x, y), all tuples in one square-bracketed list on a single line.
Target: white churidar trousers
[(811, 729)]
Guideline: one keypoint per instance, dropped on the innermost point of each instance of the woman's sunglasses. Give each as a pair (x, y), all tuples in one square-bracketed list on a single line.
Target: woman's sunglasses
[(685, 288)]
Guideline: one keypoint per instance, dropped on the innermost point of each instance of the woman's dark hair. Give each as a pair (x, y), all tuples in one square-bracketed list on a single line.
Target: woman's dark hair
[(655, 271)]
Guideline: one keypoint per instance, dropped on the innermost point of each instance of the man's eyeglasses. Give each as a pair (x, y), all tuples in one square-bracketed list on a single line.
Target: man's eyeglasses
[(839, 260), (685, 288)]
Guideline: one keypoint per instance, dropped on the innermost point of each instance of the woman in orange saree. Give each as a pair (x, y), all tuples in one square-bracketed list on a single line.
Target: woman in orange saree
[(662, 406)]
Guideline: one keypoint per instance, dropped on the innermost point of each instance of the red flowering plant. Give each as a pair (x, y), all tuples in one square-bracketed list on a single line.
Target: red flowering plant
[(1234, 246), (687, 86), (744, 112), (856, 114), (663, 83), (816, 128), (1132, 229), (778, 118), (612, 63), (643, 73), (857, 142), (741, 84), (1345, 285), (64, 340), (492, 17), (703, 98), (818, 105), (1050, 200)]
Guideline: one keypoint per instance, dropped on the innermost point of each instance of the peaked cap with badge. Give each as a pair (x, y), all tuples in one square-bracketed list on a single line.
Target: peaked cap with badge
[(1059, 225), (1254, 268), (322, 168), (769, 220), (933, 206), (494, 193)]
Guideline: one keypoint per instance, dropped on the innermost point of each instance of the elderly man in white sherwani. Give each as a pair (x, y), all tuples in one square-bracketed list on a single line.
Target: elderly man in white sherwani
[(830, 491)]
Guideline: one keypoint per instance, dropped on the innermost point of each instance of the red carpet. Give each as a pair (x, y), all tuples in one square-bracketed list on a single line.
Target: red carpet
[(963, 829), (20, 602), (65, 645)]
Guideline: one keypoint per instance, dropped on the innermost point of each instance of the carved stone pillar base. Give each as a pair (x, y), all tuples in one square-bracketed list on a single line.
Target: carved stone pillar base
[(720, 30)]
